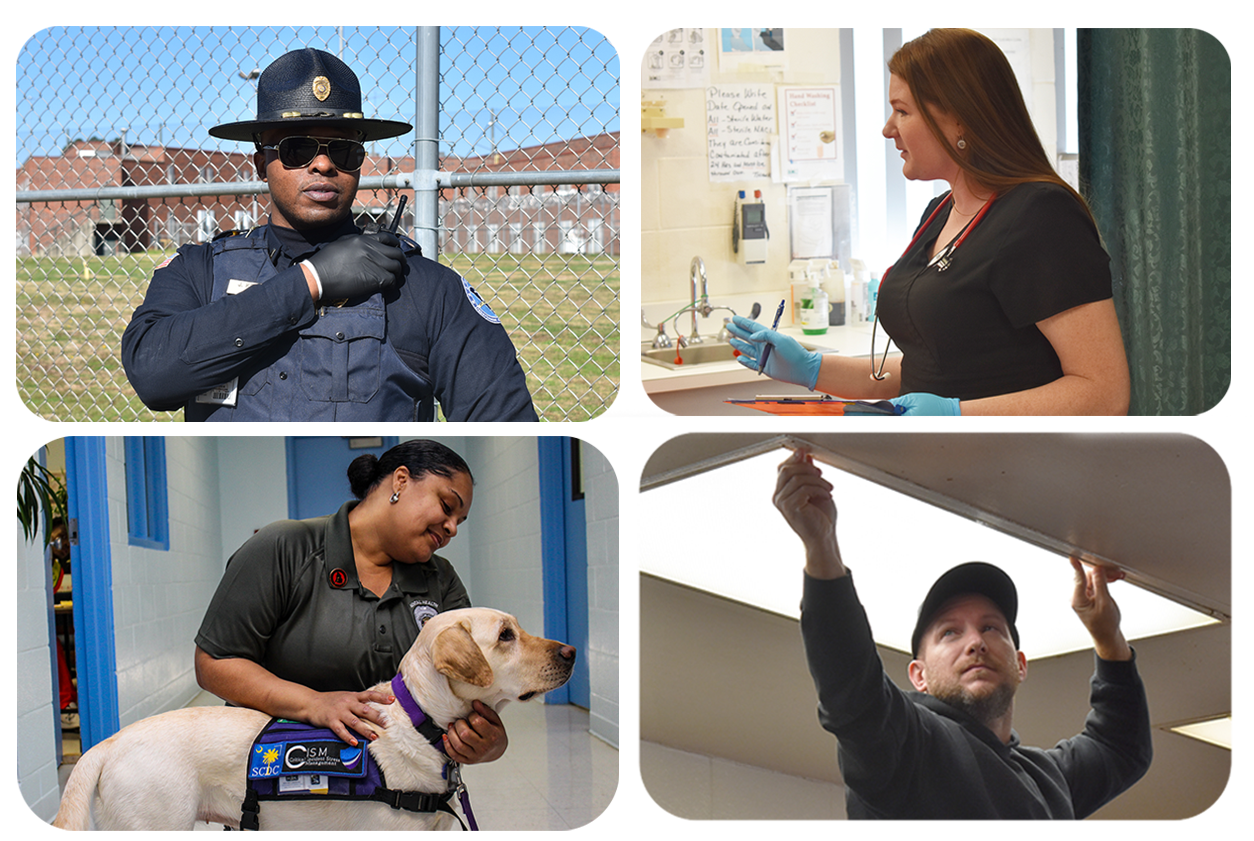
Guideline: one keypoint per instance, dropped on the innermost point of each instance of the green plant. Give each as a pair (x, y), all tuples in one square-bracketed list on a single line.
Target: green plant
[(40, 493)]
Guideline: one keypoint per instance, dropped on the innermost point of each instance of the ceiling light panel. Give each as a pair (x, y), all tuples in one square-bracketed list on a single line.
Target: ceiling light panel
[(719, 532), (1215, 731)]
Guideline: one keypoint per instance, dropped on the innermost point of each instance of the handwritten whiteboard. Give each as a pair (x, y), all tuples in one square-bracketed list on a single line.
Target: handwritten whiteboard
[(740, 120)]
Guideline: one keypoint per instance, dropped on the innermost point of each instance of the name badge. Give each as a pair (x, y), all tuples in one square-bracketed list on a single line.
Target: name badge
[(303, 784)]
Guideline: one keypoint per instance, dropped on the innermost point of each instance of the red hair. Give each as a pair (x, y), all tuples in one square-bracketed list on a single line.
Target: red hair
[(964, 74)]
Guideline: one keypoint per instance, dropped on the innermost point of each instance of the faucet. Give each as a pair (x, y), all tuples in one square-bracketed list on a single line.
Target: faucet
[(697, 266), (661, 340)]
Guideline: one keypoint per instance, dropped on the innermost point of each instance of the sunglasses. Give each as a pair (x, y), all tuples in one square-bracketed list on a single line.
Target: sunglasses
[(296, 152)]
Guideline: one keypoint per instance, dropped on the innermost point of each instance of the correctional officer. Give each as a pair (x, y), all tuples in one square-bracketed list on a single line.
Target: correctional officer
[(308, 612), (307, 317)]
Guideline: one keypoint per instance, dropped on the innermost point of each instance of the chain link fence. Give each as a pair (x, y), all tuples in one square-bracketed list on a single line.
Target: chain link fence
[(115, 170)]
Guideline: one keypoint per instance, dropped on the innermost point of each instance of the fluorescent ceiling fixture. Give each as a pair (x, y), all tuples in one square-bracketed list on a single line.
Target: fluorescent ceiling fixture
[(1216, 731), (718, 531)]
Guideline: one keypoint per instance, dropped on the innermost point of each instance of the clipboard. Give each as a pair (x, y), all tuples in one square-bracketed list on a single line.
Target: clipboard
[(816, 405)]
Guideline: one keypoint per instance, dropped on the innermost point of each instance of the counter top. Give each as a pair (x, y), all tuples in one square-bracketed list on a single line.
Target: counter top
[(848, 340)]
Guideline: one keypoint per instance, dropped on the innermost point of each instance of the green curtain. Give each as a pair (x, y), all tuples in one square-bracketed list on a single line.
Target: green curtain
[(1155, 124)]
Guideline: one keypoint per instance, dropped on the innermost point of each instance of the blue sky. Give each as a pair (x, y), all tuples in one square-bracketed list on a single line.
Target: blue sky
[(169, 85)]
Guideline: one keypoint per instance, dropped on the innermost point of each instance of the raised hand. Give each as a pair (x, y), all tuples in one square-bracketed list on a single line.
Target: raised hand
[(1093, 603), (804, 498)]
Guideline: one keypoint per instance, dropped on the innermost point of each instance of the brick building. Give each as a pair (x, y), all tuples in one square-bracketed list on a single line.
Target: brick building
[(565, 219), (113, 226)]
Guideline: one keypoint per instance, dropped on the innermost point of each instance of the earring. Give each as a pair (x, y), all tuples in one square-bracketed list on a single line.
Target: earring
[(962, 144), (396, 497)]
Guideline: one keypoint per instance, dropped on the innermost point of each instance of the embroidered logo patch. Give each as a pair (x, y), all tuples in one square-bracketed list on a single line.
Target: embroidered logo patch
[(478, 303), (423, 610), (265, 761), (301, 757)]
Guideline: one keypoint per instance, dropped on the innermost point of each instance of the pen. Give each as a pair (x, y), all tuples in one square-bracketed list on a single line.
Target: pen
[(766, 351), (400, 208)]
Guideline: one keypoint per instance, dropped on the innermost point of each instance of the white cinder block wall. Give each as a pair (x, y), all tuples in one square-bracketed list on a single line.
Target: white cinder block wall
[(34, 687), (159, 597), (503, 530), (601, 512)]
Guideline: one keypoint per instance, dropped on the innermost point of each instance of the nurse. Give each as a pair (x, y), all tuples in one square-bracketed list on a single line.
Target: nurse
[(1001, 304)]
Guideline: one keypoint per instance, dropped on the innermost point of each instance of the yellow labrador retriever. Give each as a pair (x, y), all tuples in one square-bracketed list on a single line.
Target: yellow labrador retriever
[(172, 770)]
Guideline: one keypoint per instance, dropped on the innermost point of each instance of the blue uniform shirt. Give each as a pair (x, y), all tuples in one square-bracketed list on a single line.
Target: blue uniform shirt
[(251, 344)]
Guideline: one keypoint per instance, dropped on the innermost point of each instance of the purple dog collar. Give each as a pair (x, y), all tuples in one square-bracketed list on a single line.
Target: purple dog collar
[(435, 736), (417, 717)]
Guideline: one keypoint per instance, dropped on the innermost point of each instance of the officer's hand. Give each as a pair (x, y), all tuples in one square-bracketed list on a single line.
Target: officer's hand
[(479, 737), (359, 264), (339, 711)]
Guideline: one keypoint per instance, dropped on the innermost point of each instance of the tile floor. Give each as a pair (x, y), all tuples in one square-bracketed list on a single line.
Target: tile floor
[(555, 774)]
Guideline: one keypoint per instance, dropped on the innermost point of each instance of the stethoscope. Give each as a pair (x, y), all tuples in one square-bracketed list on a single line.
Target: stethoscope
[(942, 261)]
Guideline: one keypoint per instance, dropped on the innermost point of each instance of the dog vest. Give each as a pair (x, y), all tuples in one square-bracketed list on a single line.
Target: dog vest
[(294, 761)]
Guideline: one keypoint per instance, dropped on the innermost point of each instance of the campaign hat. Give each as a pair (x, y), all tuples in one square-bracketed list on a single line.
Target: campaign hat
[(306, 88)]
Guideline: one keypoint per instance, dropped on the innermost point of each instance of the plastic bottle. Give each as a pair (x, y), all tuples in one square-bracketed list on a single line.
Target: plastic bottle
[(814, 309), (835, 287)]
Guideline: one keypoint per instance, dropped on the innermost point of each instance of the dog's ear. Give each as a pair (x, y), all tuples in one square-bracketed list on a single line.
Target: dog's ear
[(457, 655)]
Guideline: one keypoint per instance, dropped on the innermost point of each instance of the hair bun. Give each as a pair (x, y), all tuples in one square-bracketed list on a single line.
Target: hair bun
[(362, 474)]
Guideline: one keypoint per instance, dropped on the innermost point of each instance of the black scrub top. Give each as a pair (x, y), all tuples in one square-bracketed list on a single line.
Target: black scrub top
[(970, 331), (290, 600)]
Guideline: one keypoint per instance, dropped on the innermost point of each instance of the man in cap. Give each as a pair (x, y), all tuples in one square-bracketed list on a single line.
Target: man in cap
[(308, 317), (947, 750)]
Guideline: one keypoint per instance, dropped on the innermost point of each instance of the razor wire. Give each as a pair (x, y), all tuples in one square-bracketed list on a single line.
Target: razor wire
[(116, 170)]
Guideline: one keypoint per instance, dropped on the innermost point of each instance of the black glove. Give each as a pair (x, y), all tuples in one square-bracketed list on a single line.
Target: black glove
[(359, 264)]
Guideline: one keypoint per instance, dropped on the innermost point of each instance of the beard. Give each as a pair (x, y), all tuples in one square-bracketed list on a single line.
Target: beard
[(985, 708)]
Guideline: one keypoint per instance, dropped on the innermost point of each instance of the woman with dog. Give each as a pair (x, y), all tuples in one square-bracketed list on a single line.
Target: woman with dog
[(309, 611)]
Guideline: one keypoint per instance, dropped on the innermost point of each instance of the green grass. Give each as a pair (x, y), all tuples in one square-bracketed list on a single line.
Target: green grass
[(562, 312)]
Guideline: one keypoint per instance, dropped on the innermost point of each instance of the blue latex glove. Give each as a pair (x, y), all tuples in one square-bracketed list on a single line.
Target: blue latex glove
[(921, 403), (789, 362)]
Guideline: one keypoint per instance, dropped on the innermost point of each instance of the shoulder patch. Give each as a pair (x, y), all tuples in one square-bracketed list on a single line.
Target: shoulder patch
[(485, 312)]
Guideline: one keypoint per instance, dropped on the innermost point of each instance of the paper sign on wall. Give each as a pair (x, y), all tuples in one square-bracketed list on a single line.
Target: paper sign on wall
[(740, 120), (810, 125), (678, 58)]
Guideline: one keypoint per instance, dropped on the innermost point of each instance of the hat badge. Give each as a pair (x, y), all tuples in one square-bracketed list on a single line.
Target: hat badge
[(321, 88)]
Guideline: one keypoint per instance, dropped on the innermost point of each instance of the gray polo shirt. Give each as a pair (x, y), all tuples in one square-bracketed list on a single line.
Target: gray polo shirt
[(291, 601)]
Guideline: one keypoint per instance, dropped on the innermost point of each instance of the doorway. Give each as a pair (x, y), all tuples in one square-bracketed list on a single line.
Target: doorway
[(564, 547), (91, 616)]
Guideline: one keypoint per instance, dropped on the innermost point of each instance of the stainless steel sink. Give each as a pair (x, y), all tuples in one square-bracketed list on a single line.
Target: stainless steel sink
[(700, 354)]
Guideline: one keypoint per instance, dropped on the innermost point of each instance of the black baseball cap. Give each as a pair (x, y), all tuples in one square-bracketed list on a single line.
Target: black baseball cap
[(975, 577)]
